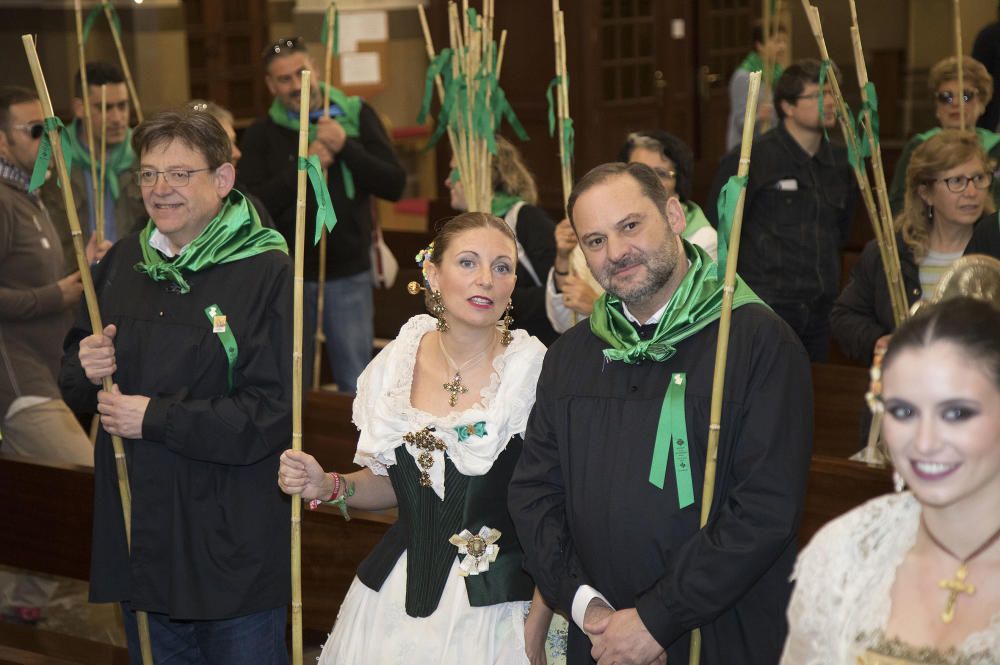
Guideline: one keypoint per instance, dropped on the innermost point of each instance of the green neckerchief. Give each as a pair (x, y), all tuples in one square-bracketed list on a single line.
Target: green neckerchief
[(502, 203), (987, 139), (120, 158), (234, 234), (350, 121), (754, 63), (695, 218), (696, 303)]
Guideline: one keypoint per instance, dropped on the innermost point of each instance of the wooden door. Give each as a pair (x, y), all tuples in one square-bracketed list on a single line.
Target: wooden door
[(724, 36), (633, 72), (225, 40)]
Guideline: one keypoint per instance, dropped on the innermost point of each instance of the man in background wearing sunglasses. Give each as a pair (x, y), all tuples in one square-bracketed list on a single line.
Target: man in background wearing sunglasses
[(35, 302), (353, 146), (977, 90), (123, 209)]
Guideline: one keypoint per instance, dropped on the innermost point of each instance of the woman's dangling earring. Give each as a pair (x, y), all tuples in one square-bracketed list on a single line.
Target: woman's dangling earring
[(506, 336), (930, 212), (897, 482), (438, 309)]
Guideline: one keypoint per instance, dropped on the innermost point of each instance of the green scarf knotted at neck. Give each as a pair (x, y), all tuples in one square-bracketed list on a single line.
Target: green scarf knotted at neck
[(350, 121), (120, 157), (754, 63), (696, 303), (234, 234)]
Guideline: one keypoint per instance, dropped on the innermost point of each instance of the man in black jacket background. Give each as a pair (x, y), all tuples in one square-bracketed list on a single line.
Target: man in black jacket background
[(353, 147)]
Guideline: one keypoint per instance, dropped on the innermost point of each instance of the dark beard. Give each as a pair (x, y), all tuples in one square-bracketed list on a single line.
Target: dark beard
[(660, 269)]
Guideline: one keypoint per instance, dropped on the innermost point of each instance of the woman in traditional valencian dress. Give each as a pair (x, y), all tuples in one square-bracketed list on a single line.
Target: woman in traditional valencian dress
[(914, 577), (441, 411)]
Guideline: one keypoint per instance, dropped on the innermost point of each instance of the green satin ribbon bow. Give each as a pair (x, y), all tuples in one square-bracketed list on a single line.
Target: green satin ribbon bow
[(44, 158), (88, 23), (696, 303), (472, 429), (234, 234), (325, 214), (728, 198)]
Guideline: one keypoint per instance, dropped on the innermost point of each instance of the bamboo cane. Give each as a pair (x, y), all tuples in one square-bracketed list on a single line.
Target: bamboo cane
[(722, 343), (100, 216), (124, 63), (878, 172), (881, 191), (767, 72), (93, 309), (959, 61), (88, 115), (300, 239), (897, 295), (318, 336)]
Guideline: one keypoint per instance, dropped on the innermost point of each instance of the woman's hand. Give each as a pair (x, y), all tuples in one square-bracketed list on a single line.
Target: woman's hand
[(300, 473), (578, 294), (536, 629), (565, 240), (97, 355)]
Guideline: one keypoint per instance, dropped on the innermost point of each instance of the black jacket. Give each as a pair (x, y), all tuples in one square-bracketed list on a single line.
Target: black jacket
[(269, 171), (796, 217), (536, 234), (863, 312), (210, 527)]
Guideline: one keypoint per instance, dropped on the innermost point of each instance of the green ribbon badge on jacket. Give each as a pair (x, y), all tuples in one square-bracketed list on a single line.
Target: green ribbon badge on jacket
[(234, 234), (696, 303), (220, 326)]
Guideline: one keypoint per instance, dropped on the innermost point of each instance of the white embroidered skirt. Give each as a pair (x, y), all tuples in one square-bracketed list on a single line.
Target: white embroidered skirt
[(373, 628)]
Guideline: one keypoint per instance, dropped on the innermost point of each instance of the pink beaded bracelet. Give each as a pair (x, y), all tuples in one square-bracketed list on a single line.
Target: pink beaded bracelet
[(336, 490)]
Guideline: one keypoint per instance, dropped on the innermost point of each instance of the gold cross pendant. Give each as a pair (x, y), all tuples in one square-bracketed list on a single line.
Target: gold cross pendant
[(456, 388), (955, 586)]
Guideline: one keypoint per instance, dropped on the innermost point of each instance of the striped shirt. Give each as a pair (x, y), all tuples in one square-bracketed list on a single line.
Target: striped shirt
[(932, 267)]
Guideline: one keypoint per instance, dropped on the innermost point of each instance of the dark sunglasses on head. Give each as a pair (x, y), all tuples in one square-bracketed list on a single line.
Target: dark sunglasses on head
[(32, 129), (283, 46), (948, 98)]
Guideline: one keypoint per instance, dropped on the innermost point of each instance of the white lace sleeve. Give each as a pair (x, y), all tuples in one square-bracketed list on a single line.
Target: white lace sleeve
[(813, 603)]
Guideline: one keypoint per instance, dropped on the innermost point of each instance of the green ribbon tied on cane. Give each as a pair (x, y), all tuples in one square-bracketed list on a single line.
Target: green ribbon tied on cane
[(325, 214), (824, 68), (44, 158), (671, 435), (88, 23), (860, 148), (728, 198), (324, 31), (473, 18), (568, 136), (472, 429), (553, 84), (222, 329)]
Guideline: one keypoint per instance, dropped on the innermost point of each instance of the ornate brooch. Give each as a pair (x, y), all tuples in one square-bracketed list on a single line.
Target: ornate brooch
[(427, 443), (480, 550)]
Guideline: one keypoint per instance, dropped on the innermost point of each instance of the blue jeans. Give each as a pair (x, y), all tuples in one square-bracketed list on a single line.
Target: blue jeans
[(349, 326), (257, 638)]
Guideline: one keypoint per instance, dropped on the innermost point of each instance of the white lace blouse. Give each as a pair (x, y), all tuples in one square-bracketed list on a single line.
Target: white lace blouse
[(842, 602), (383, 413)]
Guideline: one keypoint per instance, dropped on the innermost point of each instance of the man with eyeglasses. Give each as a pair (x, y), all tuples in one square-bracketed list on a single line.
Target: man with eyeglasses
[(197, 339), (35, 300), (800, 199), (942, 81), (123, 209), (352, 144)]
